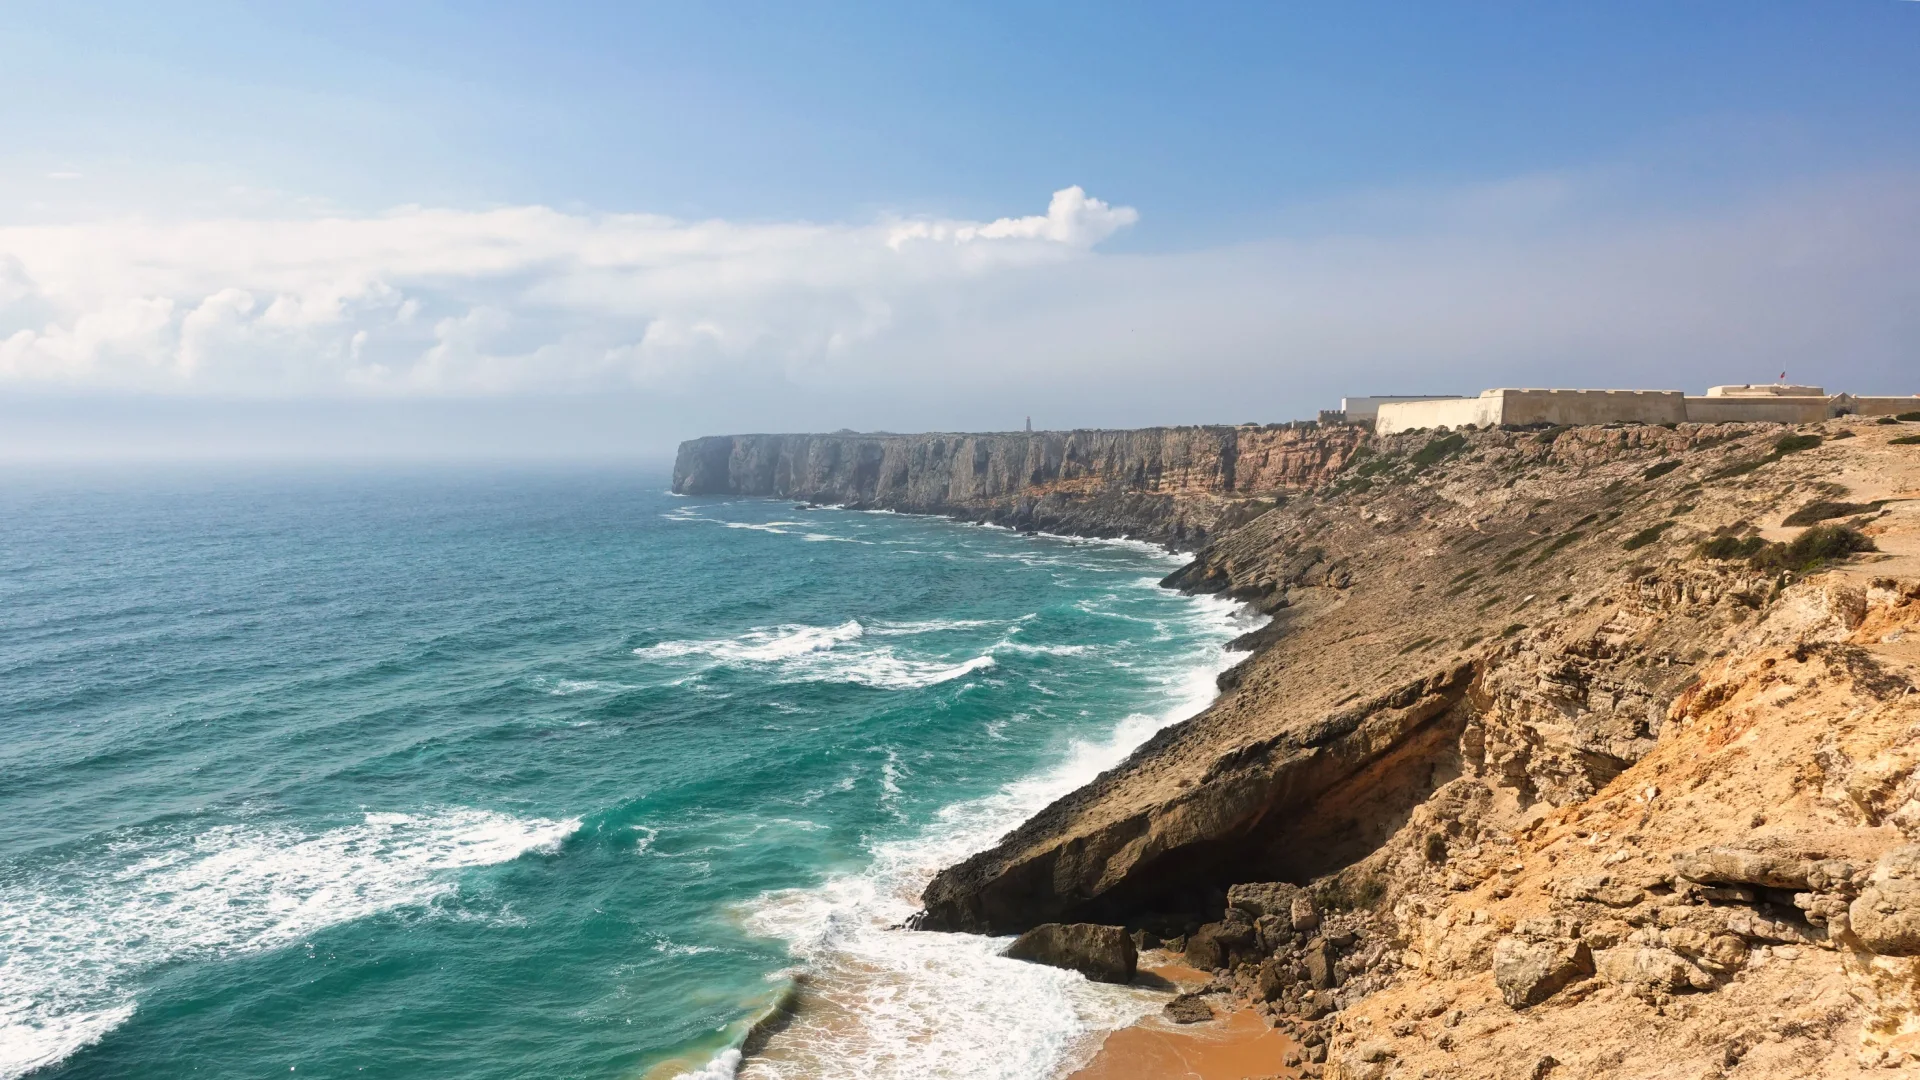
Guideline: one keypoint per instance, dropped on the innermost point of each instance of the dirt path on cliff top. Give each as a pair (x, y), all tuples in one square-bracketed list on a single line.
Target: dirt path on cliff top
[(1503, 690)]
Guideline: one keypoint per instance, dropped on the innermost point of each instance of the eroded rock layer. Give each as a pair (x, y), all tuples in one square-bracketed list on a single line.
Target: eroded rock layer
[(1563, 755), (1174, 485)]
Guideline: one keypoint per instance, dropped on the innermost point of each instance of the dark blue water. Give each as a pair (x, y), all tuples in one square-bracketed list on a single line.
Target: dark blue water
[(466, 773)]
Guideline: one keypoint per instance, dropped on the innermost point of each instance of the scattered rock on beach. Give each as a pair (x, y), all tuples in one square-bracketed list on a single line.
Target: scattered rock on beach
[(1189, 1009), (1101, 953)]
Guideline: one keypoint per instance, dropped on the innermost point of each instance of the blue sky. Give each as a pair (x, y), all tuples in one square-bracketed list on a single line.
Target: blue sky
[(599, 229)]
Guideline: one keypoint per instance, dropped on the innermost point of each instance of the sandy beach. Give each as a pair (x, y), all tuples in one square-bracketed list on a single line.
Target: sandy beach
[(1229, 1047)]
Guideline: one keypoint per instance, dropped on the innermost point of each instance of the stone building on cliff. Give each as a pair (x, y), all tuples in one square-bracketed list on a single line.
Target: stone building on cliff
[(1749, 403)]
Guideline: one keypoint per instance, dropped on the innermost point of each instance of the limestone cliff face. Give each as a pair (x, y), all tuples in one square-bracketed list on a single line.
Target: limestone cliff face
[(1395, 594), (1524, 778), (1174, 485)]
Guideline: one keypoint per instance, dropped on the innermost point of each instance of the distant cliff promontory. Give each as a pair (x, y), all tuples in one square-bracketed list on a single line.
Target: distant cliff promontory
[(1172, 485)]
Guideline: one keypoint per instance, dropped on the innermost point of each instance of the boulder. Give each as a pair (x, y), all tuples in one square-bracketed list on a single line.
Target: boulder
[(1764, 869), (1305, 916), (1272, 980), (1321, 969), (1205, 950), (1647, 969), (1214, 945), (1530, 972), (1735, 866), (1188, 1009), (1886, 915), (1271, 933), (1101, 953), (1263, 898)]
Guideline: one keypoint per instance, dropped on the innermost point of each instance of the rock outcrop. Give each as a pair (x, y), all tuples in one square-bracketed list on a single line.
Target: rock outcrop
[(1547, 764), (1561, 755), (1171, 485), (1101, 953)]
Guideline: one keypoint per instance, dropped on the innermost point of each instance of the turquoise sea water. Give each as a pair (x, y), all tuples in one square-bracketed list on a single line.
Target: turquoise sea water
[(466, 773)]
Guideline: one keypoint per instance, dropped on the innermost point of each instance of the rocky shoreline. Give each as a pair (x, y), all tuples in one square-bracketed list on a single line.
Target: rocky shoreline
[(1556, 738)]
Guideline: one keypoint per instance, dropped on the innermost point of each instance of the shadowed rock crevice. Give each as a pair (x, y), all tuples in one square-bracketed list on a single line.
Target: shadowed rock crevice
[(1287, 808)]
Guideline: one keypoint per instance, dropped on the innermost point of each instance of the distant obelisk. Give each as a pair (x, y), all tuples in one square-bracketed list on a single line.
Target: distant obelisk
[(1029, 425)]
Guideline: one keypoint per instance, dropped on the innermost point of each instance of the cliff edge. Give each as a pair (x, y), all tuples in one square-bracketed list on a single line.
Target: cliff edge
[(1581, 752), (1172, 485)]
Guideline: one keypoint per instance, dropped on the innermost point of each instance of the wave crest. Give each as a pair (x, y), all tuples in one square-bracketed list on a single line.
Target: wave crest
[(799, 653), (77, 936)]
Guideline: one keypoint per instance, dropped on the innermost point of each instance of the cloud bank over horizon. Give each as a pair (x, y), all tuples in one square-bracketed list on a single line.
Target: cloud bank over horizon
[(432, 302), (1537, 280)]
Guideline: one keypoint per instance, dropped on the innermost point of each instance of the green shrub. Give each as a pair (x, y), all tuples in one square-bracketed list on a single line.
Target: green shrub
[(1559, 542), (1909, 417), (1655, 472), (1824, 509), (1512, 629), (1376, 466), (1812, 549), (1837, 436), (1438, 449), (1786, 444), (1729, 547), (1905, 440), (1886, 420), (1646, 536)]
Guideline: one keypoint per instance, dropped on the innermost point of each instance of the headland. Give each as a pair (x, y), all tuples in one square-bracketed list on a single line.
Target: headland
[(1570, 750)]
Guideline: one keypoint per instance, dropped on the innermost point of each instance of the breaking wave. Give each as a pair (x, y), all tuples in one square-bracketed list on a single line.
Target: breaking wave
[(815, 654), (78, 938)]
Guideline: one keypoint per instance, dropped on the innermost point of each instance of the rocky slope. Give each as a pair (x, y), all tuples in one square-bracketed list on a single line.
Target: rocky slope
[(1174, 485), (1563, 755)]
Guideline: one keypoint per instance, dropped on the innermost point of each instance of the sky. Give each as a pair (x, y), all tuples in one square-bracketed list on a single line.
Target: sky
[(450, 231)]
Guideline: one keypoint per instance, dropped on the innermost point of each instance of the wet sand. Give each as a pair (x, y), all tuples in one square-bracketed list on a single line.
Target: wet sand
[(1240, 1045), (1225, 1048)]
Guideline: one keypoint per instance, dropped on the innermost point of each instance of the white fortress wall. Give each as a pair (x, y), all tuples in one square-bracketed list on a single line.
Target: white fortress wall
[(1482, 411), (1368, 408), (1774, 404), (1885, 406), (1522, 407), (1742, 409)]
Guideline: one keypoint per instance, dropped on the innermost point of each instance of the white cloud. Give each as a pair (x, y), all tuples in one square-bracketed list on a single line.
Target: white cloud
[(1072, 218), (1524, 275), (423, 301)]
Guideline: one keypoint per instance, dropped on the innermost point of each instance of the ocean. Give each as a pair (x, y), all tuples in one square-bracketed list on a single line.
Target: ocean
[(540, 772)]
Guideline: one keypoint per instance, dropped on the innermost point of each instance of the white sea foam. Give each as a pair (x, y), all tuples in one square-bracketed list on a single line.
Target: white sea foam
[(724, 1066), (898, 1003), (567, 687), (814, 654), (78, 938), (927, 626), (762, 646), (1040, 650)]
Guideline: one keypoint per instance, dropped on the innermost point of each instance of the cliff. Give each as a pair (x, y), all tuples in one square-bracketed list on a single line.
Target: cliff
[(1174, 485), (1564, 753)]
